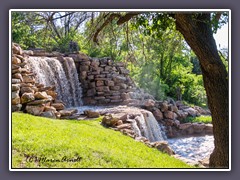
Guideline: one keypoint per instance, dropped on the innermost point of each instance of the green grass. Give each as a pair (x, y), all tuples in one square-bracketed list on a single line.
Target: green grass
[(98, 147), (200, 119)]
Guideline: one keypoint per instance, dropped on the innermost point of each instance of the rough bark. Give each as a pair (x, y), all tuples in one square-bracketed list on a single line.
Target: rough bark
[(197, 31)]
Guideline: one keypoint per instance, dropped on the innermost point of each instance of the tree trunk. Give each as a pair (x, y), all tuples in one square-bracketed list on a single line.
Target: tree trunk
[(196, 29)]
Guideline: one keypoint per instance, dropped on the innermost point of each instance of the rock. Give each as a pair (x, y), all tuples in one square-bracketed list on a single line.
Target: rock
[(51, 93), (169, 122), (181, 115), (41, 95), (16, 49), (125, 96), (124, 126), (164, 107), (58, 106), (173, 108), (185, 126), (16, 101), (208, 129), (109, 83), (198, 128), (164, 147), (168, 115), (27, 90), (109, 120), (99, 83), (149, 103), (191, 112), (157, 114), (68, 112), (16, 107), (48, 114), (38, 102), (27, 79), (50, 108), (15, 94), (17, 76), (15, 60), (34, 110), (91, 92), (120, 122), (27, 97), (91, 114), (16, 81)]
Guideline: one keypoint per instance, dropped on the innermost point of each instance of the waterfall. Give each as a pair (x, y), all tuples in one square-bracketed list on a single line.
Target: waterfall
[(51, 72), (154, 130), (72, 75), (145, 124)]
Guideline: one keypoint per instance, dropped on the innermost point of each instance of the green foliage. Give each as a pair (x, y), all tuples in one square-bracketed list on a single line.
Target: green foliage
[(98, 147), (200, 119)]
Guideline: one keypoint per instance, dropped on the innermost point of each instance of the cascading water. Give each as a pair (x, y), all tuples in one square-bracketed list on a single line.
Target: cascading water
[(50, 72), (154, 132), (72, 75)]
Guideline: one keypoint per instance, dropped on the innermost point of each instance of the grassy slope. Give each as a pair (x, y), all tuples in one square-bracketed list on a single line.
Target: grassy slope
[(98, 147)]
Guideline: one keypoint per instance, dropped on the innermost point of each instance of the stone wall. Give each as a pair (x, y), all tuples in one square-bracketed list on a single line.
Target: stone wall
[(106, 82)]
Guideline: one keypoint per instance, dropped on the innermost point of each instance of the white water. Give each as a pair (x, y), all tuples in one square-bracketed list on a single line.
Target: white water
[(193, 148), (50, 72)]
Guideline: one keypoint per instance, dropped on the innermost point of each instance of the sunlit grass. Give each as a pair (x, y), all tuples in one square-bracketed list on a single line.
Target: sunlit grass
[(96, 146)]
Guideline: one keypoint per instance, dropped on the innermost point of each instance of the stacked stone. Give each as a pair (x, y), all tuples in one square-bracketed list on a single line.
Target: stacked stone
[(172, 116), (29, 96), (103, 81)]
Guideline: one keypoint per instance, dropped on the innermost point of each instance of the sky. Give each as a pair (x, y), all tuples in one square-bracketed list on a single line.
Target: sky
[(221, 37)]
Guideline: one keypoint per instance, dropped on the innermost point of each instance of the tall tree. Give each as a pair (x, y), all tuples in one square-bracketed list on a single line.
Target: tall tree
[(197, 30)]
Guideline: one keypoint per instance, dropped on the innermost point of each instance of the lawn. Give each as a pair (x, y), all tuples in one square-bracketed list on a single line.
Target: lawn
[(45, 143)]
